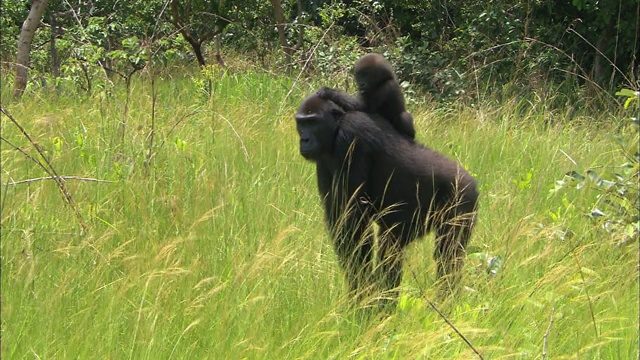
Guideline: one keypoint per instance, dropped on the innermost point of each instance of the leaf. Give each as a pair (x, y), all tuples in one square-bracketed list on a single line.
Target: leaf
[(628, 102), (619, 140), (594, 177), (558, 186), (627, 92), (494, 265), (408, 303), (632, 229), (608, 184), (575, 175), (596, 213), (473, 249), (116, 54)]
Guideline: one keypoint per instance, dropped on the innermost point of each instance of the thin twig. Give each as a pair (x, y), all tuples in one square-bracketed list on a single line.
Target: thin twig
[(304, 67), (546, 335), (584, 284), (24, 153), (568, 157), (3, 198), (152, 131), (49, 169), (433, 306), (244, 149), (613, 64), (62, 177), (184, 117), (152, 154)]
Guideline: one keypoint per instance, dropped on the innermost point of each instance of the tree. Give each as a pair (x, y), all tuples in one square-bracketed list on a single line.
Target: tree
[(24, 45), (200, 21), (282, 36)]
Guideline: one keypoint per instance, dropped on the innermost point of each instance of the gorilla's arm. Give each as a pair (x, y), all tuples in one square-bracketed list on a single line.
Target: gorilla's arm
[(348, 214), (343, 185), (342, 99)]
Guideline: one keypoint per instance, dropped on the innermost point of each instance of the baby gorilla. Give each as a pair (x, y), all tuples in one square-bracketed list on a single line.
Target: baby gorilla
[(379, 93)]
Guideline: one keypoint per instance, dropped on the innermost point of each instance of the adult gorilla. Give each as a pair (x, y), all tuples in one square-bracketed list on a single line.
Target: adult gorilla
[(367, 172)]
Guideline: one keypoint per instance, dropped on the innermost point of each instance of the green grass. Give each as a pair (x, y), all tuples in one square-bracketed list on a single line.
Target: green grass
[(216, 247)]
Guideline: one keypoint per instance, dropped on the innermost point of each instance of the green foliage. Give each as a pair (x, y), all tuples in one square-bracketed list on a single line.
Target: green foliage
[(217, 244), (132, 52), (469, 48), (252, 31), (333, 56), (616, 209), (12, 14), (633, 97), (559, 53)]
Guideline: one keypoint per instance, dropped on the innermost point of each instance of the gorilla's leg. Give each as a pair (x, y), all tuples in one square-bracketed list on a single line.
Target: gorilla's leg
[(390, 259), (452, 237), (353, 244)]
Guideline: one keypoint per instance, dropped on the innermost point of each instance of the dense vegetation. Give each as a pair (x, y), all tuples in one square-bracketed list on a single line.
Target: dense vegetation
[(584, 49), (154, 208)]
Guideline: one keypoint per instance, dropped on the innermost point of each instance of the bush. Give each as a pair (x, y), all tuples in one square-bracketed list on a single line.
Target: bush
[(617, 206)]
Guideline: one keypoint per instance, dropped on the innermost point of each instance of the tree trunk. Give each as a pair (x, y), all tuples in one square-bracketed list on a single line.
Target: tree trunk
[(599, 61), (55, 62), (218, 42), (24, 45), (301, 24), (282, 37), (195, 43), (197, 50)]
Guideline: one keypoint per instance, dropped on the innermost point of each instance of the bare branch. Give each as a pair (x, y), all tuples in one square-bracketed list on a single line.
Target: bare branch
[(546, 335), (433, 306), (584, 283), (49, 169), (61, 177), (25, 153), (304, 68)]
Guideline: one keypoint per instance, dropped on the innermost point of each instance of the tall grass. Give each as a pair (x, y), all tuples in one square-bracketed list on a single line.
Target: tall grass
[(209, 243)]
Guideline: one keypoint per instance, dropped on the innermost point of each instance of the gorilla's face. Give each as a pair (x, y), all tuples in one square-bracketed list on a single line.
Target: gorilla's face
[(317, 123), (371, 71)]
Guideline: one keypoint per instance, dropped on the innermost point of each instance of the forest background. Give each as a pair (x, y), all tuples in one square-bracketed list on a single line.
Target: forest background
[(449, 49)]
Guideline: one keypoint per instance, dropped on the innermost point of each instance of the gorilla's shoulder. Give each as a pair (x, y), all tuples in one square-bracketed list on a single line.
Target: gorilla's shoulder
[(364, 125)]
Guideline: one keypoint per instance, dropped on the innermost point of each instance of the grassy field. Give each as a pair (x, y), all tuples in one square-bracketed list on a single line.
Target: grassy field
[(208, 241)]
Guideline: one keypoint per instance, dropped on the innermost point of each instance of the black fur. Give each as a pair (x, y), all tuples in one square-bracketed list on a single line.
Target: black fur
[(368, 173), (378, 93)]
